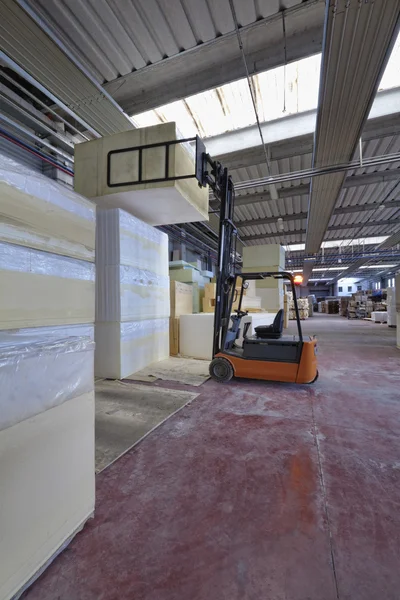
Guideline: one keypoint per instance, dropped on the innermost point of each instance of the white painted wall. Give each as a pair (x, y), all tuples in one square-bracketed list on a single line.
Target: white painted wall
[(345, 284)]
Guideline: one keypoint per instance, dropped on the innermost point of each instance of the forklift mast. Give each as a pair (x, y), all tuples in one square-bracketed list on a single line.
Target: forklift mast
[(219, 180)]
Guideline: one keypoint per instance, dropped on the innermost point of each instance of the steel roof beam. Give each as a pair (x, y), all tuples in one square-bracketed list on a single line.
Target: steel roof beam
[(218, 62), (28, 50), (304, 189), (262, 236), (357, 44)]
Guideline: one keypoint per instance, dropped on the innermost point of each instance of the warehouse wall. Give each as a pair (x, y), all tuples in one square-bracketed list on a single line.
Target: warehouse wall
[(20, 155)]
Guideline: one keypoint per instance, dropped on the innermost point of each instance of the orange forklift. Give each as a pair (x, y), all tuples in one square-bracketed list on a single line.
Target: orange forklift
[(268, 354)]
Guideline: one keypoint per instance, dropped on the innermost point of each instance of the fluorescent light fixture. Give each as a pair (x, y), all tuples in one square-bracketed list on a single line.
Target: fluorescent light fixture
[(359, 242), (377, 266), (294, 247), (339, 243), (330, 269)]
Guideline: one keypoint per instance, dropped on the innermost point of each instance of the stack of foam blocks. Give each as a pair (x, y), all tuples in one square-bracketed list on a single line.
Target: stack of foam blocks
[(181, 297), (266, 258), (47, 273), (191, 274), (132, 295)]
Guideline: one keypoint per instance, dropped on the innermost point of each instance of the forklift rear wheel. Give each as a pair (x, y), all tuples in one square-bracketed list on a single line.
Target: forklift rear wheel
[(221, 370)]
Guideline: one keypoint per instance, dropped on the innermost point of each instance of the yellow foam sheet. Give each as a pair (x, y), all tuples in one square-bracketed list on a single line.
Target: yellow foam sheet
[(28, 220), (36, 300), (161, 203), (47, 487)]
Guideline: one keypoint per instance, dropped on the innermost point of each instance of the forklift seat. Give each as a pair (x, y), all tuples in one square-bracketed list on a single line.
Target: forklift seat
[(274, 331)]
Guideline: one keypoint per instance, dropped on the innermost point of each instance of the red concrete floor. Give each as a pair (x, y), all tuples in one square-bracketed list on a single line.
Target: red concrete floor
[(256, 491)]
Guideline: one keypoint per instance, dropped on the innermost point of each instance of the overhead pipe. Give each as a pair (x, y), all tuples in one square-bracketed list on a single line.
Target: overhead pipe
[(32, 150)]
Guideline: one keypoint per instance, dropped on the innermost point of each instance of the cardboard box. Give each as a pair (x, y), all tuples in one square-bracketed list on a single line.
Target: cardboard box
[(174, 336), (181, 295)]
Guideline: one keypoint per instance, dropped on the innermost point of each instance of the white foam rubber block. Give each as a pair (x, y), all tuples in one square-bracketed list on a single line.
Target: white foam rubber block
[(264, 256), (122, 239), (39, 372), (379, 316), (52, 333), (271, 298), (173, 201), (128, 293), (125, 348), (47, 488), (196, 332), (43, 289), (40, 213)]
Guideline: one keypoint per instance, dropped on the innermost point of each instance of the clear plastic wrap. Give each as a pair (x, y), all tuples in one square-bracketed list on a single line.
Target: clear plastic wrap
[(138, 329), (35, 184), (25, 237), (40, 372), (28, 260), (124, 239), (125, 293), (40, 213), (125, 348)]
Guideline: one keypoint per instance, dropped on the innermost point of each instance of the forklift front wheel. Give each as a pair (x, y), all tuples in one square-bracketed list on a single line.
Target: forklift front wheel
[(221, 370)]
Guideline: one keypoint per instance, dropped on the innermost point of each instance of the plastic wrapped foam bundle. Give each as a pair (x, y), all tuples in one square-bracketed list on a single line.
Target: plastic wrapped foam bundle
[(39, 372), (125, 240), (125, 293), (46, 449), (124, 348), (132, 294), (40, 213), (42, 289)]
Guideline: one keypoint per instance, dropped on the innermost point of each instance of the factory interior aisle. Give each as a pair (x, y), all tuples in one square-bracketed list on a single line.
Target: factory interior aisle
[(256, 490)]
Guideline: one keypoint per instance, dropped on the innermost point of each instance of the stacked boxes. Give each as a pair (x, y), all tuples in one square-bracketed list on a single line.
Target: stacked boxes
[(344, 306), (181, 295), (47, 279), (250, 302), (191, 274), (132, 295), (302, 304)]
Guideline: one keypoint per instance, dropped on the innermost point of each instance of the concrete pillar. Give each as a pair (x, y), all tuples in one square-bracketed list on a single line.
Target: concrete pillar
[(397, 287)]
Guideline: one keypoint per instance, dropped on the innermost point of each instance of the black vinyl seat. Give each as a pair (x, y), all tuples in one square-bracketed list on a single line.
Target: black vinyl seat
[(274, 331)]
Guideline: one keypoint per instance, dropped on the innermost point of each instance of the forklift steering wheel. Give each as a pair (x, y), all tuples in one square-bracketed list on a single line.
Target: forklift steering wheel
[(242, 313)]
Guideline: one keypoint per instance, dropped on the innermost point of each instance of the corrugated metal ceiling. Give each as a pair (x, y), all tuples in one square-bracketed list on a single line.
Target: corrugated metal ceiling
[(372, 194), (116, 37)]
